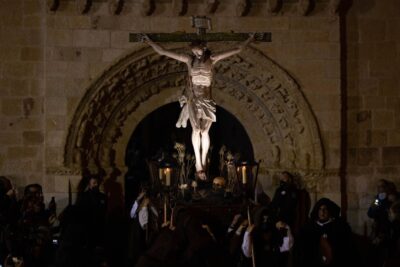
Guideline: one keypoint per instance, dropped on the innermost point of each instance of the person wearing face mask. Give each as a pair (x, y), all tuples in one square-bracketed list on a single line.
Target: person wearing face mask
[(285, 199), (378, 211)]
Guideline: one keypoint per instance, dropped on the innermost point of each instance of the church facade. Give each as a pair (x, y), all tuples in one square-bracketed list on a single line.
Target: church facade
[(321, 100)]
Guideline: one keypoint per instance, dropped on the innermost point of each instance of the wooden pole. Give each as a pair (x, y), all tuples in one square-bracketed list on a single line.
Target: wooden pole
[(165, 210), (253, 258), (69, 193)]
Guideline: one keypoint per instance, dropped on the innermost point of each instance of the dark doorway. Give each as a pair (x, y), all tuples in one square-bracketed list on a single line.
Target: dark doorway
[(157, 133)]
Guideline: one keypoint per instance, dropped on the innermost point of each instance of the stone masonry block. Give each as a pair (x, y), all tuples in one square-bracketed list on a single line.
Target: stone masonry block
[(109, 55), (19, 69), (32, 37), (389, 87), (33, 137), (314, 23), (377, 138), (53, 156), (10, 138), (56, 105), (11, 19), (391, 156), (18, 87), (394, 138), (369, 86), (120, 39), (374, 102), (388, 171), (77, 70), (59, 37), (372, 30), (393, 29), (30, 123), (91, 38), (66, 54), (367, 156), (61, 183), (33, 21), (354, 102), (79, 22), (32, 54), (9, 53), (33, 7), (11, 106), (383, 68), (55, 138), (382, 119), (21, 152), (54, 123), (329, 120), (104, 22)]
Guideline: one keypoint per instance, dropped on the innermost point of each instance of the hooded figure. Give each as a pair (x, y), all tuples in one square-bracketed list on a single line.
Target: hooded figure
[(393, 250), (326, 239)]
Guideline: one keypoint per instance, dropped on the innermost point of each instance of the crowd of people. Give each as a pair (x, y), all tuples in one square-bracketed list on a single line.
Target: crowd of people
[(277, 232), (32, 234)]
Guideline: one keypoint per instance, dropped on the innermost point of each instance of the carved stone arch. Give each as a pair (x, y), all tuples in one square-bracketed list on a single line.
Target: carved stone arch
[(264, 98)]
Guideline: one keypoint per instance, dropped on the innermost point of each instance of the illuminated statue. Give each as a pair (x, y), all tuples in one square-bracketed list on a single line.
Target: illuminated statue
[(197, 104)]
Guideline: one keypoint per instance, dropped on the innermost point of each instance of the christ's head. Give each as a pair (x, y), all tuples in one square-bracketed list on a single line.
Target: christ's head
[(199, 49)]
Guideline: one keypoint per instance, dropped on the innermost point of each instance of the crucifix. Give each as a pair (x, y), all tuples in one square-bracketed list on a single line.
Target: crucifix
[(197, 105)]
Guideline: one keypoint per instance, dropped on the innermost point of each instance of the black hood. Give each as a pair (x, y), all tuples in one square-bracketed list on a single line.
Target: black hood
[(333, 208)]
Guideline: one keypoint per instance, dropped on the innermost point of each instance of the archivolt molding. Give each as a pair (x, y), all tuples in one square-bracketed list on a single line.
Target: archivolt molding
[(282, 126)]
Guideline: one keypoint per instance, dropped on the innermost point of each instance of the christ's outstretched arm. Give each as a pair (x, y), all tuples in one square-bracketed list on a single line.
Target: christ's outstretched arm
[(220, 56), (162, 51)]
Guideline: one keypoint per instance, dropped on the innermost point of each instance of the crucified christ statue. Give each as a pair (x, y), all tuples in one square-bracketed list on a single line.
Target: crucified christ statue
[(197, 104)]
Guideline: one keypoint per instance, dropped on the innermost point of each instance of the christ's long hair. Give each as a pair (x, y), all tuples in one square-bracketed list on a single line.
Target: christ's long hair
[(203, 46)]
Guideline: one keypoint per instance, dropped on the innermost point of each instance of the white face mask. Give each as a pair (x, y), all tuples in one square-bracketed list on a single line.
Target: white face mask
[(143, 216), (382, 196)]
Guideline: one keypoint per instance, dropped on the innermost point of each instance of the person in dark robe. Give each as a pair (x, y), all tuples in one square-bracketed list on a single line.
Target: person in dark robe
[(9, 214), (285, 199), (393, 248), (270, 240), (190, 241), (326, 240), (93, 203), (378, 211), (73, 242)]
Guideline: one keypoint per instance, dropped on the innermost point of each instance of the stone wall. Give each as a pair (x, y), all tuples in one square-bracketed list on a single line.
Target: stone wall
[(22, 89), (373, 30), (48, 60)]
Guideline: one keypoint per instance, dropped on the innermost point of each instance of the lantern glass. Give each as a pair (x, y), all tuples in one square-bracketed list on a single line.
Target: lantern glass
[(166, 175), (247, 173)]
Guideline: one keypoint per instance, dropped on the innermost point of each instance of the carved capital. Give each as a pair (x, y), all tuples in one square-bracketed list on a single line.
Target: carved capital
[(179, 7), (210, 6), (147, 7), (115, 6), (53, 5), (273, 6), (333, 7), (83, 6), (304, 7), (242, 7)]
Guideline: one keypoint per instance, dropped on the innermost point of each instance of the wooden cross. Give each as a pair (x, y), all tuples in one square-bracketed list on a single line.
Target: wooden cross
[(202, 24)]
